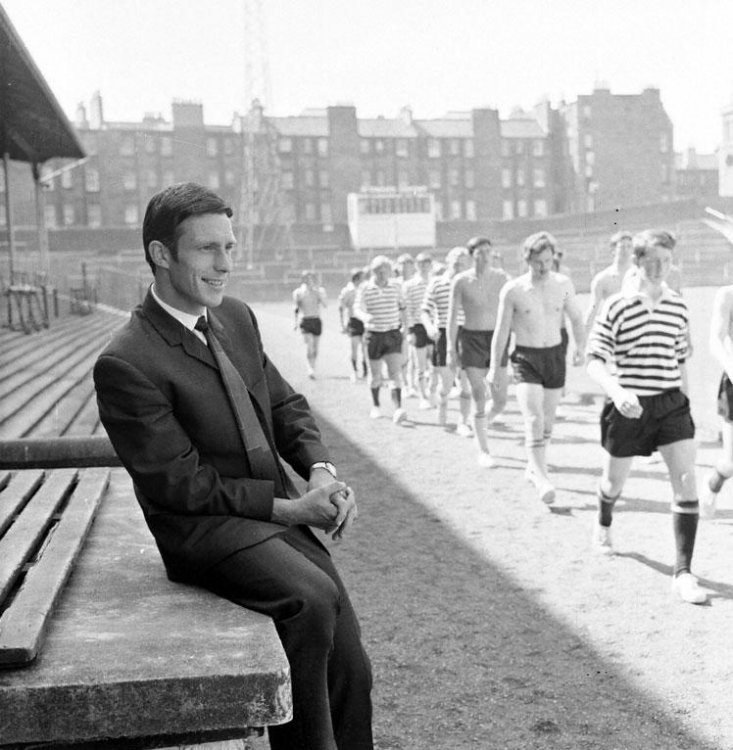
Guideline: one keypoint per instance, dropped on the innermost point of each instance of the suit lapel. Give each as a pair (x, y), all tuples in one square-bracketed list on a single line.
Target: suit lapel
[(176, 334)]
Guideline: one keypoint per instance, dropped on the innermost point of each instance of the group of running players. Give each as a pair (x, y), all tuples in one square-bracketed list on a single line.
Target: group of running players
[(459, 316)]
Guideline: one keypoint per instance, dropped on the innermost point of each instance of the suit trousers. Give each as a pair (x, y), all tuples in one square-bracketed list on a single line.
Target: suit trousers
[(291, 578)]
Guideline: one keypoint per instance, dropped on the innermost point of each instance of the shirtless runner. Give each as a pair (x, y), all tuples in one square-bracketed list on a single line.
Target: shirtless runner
[(476, 292), (533, 307)]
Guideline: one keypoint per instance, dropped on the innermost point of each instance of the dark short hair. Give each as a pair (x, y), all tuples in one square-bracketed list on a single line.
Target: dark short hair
[(357, 273), (475, 242), (170, 207), (651, 238), (538, 242)]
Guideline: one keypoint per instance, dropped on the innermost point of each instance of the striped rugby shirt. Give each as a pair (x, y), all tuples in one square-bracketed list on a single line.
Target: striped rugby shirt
[(437, 301), (645, 343), (414, 291), (380, 307)]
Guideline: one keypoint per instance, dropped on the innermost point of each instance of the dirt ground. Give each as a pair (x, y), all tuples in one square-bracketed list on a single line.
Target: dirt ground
[(489, 620)]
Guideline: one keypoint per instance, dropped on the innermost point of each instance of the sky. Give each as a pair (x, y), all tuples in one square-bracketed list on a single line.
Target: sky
[(436, 56)]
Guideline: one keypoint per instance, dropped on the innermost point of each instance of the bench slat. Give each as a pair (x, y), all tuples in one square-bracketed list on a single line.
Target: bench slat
[(24, 623), (15, 494), (23, 536)]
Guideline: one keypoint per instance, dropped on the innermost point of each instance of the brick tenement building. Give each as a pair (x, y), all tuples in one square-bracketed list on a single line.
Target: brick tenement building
[(603, 150)]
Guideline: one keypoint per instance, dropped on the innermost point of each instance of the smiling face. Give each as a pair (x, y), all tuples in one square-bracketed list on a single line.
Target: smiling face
[(195, 276)]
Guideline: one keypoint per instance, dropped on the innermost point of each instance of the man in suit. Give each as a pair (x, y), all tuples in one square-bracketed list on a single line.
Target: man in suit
[(225, 516)]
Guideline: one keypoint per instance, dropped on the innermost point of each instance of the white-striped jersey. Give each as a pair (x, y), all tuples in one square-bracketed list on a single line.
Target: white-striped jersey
[(645, 342), (414, 291), (380, 307), (437, 301)]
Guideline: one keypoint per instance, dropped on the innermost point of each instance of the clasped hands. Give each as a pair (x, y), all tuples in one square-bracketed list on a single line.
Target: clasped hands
[(331, 505)]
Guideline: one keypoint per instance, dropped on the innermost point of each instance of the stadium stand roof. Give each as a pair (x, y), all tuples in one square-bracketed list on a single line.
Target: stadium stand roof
[(34, 127)]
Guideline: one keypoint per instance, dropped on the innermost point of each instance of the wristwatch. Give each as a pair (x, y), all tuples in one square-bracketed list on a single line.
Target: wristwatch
[(327, 465)]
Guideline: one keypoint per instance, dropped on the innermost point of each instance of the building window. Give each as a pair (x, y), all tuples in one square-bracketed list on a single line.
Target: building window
[(538, 178), (323, 147), (228, 146), (68, 215), (519, 147), (587, 111), (166, 146), (588, 170), (213, 181), (471, 210), (378, 146), (230, 179), (506, 148), (433, 148), (149, 144), (366, 178), (324, 178), (520, 177), (129, 181), (94, 216), (49, 214), (403, 178), (91, 179), (48, 182), (455, 209), (521, 208), (663, 143), (310, 211), (538, 148), (506, 177), (309, 178), (212, 147), (365, 145), (540, 207), (468, 149), (326, 215), (454, 177), (151, 178), (434, 178), (455, 146), (590, 157), (507, 210), (288, 181), (67, 179), (285, 146), (131, 214), (401, 148), (468, 179), (127, 146)]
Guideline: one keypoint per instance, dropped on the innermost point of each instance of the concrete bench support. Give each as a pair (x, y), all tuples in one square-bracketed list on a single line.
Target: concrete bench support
[(133, 660)]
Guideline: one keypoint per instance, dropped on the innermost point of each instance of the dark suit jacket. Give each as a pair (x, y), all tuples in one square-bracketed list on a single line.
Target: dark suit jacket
[(165, 409)]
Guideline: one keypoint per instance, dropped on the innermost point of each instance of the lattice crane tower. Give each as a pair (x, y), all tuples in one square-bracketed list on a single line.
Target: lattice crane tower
[(256, 63)]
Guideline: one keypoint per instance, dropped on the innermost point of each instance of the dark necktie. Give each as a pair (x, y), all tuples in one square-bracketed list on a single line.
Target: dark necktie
[(259, 454)]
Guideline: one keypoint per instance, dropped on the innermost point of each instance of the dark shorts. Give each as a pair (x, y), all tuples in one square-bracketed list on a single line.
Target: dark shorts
[(380, 343), (665, 419), (421, 339), (355, 327), (725, 399), (543, 366), (440, 350), (474, 349), (311, 325)]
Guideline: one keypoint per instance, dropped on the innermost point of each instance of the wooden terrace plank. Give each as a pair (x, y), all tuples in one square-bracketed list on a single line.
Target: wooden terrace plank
[(23, 625), (29, 527)]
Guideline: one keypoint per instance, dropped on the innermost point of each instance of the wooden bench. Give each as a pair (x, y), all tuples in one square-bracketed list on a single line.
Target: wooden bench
[(119, 657)]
